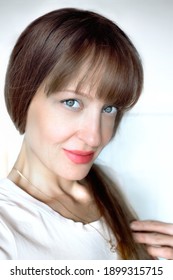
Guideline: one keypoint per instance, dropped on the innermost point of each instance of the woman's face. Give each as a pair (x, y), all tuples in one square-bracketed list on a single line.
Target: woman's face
[(65, 132)]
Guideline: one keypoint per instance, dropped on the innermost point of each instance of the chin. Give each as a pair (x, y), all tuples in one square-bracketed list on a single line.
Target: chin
[(77, 176)]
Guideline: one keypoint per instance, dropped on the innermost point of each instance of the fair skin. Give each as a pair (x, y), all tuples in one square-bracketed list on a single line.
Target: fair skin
[(63, 122), (65, 132), (158, 237)]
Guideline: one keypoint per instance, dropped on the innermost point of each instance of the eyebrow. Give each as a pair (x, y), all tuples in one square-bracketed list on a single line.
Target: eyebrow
[(81, 93), (88, 96)]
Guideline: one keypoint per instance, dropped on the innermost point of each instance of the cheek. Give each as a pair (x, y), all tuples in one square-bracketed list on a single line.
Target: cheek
[(39, 128), (106, 138), (107, 132), (56, 128), (47, 126)]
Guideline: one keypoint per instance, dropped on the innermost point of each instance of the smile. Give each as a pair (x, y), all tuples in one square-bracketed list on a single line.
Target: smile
[(79, 157)]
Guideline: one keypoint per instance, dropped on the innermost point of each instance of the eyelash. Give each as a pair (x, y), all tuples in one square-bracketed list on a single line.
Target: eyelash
[(113, 109), (65, 102), (73, 101)]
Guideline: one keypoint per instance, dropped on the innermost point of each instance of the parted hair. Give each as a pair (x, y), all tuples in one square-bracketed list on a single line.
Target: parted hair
[(55, 49)]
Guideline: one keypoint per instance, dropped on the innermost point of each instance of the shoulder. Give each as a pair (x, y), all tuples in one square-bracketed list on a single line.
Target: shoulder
[(7, 191), (7, 242), (15, 204), (4, 185), (8, 249), (10, 205)]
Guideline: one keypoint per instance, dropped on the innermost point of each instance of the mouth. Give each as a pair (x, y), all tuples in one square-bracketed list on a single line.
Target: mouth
[(79, 157)]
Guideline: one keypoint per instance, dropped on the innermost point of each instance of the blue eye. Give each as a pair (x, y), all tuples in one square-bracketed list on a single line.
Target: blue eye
[(72, 103), (110, 110)]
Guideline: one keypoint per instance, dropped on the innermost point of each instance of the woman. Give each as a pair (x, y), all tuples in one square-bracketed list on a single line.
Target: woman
[(71, 77)]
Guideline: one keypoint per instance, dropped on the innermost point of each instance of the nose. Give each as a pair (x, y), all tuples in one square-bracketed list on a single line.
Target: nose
[(90, 131)]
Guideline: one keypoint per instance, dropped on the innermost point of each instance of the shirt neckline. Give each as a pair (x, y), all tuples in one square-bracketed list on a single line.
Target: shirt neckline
[(46, 208)]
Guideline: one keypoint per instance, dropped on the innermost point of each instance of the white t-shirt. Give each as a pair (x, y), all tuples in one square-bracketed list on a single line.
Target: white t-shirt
[(30, 229)]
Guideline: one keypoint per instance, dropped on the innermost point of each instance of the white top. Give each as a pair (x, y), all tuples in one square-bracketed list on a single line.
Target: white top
[(30, 229)]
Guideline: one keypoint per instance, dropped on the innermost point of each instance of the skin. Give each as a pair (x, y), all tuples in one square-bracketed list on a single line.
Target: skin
[(55, 123), (158, 236), (67, 120)]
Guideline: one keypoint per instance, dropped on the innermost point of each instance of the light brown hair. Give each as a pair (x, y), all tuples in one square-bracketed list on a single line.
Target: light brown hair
[(53, 50)]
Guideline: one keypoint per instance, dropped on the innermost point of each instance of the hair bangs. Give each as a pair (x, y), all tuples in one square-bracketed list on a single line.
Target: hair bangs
[(118, 81), (99, 69)]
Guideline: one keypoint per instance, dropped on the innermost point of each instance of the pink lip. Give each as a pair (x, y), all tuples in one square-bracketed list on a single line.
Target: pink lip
[(79, 157)]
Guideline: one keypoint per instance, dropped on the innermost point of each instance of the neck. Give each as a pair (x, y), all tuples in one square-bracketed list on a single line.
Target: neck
[(40, 176), (88, 212), (52, 190)]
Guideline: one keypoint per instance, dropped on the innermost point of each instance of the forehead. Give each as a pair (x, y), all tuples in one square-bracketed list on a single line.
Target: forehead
[(87, 80), (98, 77), (84, 87)]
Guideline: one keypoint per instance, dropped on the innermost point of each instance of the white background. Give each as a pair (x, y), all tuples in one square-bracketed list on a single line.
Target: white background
[(141, 155)]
